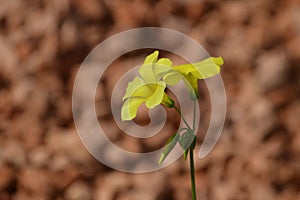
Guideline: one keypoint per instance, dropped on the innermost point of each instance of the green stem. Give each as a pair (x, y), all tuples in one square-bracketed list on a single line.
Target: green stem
[(192, 170), (191, 149), (182, 117), (194, 117)]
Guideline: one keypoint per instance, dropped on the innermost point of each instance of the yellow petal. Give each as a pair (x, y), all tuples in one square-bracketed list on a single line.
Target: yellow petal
[(185, 69), (147, 73), (143, 91), (172, 77), (130, 108), (133, 87), (219, 60), (162, 66), (208, 68), (157, 96), (192, 85), (204, 69), (147, 69), (152, 58), (165, 62)]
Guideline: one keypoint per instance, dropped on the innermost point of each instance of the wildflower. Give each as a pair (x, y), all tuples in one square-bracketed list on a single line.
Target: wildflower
[(148, 88)]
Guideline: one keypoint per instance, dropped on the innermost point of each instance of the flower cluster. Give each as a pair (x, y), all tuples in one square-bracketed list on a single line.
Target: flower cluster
[(156, 74)]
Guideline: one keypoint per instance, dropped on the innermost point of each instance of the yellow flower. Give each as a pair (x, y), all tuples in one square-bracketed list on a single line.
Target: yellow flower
[(148, 88), (192, 72)]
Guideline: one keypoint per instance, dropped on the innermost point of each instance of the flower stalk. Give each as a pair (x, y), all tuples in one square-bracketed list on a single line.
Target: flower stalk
[(192, 171)]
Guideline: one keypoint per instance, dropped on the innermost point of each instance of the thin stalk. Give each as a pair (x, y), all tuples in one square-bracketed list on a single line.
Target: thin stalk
[(192, 167), (182, 117), (192, 171), (194, 117), (191, 149)]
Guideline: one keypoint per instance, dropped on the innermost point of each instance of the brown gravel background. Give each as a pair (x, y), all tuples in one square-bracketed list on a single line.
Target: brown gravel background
[(42, 44)]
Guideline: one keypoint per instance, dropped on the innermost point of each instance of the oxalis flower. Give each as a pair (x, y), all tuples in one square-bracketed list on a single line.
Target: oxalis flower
[(148, 88), (194, 71)]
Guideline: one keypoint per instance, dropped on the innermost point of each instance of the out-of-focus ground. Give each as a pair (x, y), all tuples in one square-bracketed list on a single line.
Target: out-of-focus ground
[(42, 44)]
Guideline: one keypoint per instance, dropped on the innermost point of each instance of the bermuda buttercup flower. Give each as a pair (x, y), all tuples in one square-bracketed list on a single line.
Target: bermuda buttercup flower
[(148, 88), (193, 72)]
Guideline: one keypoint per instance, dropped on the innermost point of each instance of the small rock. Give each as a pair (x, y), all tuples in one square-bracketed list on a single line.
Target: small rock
[(14, 153), (271, 69), (9, 60), (261, 116), (68, 35), (107, 186), (154, 182), (78, 191), (261, 191), (67, 142), (63, 178), (59, 162), (46, 24), (39, 156), (137, 195), (35, 180)]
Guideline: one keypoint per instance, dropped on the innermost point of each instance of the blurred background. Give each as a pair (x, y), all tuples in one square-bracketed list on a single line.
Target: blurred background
[(43, 43)]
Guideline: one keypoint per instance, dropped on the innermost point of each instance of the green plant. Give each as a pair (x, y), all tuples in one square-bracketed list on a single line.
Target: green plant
[(149, 88)]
